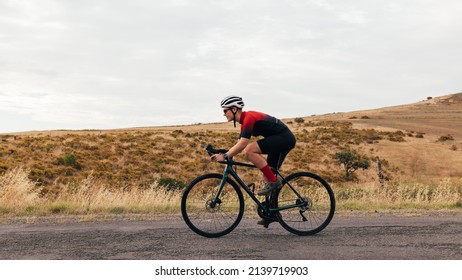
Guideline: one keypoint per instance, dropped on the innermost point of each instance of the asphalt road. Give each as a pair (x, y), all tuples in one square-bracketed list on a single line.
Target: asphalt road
[(357, 236)]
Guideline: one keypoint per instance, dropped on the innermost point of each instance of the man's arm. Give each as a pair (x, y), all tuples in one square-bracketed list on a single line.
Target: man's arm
[(236, 149), (239, 147)]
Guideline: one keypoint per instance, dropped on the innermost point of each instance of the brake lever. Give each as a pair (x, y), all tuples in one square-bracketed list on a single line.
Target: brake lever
[(211, 151)]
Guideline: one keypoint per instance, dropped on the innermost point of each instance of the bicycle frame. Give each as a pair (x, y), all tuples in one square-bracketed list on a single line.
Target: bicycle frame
[(229, 170), (214, 215)]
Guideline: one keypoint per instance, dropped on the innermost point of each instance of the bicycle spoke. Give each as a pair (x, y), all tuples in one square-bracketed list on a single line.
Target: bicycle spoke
[(204, 216), (316, 196)]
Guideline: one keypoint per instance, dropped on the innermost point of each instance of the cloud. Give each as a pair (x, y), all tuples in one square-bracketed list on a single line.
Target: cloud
[(106, 64)]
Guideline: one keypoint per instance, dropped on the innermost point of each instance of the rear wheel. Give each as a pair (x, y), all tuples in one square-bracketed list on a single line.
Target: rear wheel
[(316, 203), (206, 215)]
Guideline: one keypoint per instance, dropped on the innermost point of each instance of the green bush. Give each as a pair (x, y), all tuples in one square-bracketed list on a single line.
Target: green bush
[(69, 160), (351, 162)]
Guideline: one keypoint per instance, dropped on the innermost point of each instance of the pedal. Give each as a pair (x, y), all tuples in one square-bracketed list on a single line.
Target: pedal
[(266, 225), (266, 221)]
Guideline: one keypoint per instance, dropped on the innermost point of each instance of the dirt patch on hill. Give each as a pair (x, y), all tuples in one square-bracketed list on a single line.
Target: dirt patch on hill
[(450, 99)]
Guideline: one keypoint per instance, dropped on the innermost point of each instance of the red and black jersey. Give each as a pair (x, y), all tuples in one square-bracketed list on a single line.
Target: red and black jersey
[(260, 124)]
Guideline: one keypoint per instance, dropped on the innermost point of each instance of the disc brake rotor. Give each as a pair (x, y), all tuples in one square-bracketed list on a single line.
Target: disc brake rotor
[(213, 208)]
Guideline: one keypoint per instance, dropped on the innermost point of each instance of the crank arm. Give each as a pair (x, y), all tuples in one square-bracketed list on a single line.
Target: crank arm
[(303, 216)]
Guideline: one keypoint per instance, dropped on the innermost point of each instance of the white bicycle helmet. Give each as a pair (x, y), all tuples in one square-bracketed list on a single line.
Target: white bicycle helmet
[(232, 101)]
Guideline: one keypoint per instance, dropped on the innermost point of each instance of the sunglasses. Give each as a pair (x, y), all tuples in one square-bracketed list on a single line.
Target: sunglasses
[(226, 110)]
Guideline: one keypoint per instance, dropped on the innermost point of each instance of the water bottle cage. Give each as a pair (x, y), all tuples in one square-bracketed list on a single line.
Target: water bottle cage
[(252, 187)]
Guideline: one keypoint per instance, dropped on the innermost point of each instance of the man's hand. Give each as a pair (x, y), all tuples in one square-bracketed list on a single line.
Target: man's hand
[(218, 157)]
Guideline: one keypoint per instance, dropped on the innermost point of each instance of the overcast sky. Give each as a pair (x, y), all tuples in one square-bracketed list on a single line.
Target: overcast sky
[(96, 64)]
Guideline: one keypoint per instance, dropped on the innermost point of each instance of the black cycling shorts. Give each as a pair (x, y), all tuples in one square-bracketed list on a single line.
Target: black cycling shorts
[(277, 147)]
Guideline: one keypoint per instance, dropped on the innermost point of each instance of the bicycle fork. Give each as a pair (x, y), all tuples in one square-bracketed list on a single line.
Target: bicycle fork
[(216, 200)]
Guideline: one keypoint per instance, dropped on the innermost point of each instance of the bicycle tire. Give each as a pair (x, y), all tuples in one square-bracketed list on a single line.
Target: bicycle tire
[(318, 212), (204, 219)]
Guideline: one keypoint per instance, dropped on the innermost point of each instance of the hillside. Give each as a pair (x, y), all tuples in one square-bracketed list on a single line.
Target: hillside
[(435, 116), (419, 142), (437, 155)]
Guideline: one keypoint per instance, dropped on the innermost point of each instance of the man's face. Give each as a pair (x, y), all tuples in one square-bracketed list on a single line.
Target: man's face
[(228, 113)]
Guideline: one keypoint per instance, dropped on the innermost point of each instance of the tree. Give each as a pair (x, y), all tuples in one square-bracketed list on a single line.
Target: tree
[(299, 121), (351, 162)]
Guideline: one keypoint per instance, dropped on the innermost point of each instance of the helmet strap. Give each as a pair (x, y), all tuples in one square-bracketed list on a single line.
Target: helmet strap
[(234, 118)]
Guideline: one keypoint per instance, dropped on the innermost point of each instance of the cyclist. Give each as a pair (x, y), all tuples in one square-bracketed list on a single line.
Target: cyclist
[(277, 142)]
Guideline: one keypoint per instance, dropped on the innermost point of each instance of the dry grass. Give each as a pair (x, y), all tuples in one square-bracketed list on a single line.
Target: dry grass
[(121, 171), (446, 194), (17, 190), (20, 197)]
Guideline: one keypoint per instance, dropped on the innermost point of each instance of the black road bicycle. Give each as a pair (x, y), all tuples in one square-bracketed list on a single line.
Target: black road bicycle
[(213, 205)]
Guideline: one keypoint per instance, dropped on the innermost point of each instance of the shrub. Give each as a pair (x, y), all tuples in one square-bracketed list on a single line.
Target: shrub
[(351, 162), (69, 160), (299, 120), (447, 137)]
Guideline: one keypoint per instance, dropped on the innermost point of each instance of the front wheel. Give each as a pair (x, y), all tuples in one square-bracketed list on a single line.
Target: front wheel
[(208, 215), (315, 200)]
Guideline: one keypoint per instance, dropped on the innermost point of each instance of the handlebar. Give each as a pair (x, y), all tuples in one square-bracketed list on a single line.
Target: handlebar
[(213, 151)]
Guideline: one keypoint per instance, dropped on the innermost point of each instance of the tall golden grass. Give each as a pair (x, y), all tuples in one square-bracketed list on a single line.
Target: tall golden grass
[(445, 194), (20, 197), (17, 190)]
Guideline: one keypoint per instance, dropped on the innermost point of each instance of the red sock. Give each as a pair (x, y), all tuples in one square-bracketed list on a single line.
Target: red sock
[(269, 173)]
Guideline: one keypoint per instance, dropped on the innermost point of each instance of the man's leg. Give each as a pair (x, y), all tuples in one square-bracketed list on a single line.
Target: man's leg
[(254, 154)]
